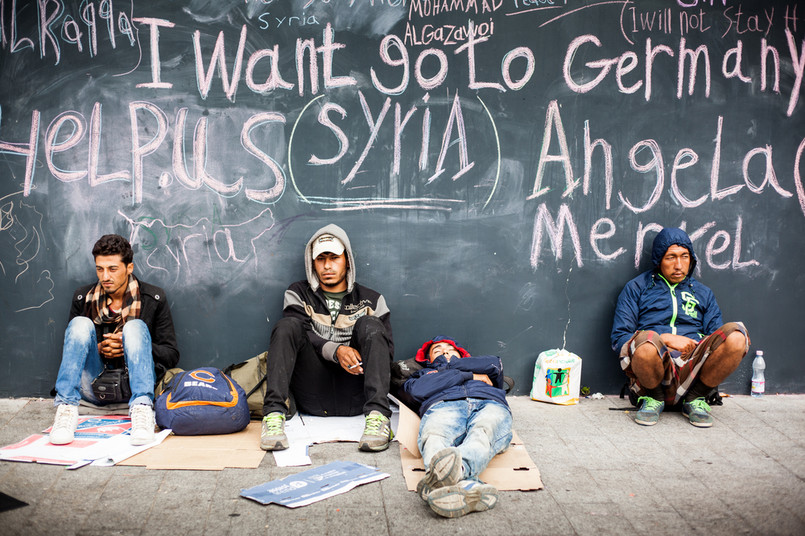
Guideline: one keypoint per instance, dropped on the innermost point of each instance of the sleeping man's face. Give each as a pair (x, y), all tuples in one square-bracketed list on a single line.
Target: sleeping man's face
[(442, 348)]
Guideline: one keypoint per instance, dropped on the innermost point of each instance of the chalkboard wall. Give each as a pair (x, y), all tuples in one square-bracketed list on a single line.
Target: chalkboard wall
[(501, 166)]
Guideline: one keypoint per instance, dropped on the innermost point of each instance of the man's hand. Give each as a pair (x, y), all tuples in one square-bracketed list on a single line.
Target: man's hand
[(111, 346), (482, 378), (349, 359), (678, 342)]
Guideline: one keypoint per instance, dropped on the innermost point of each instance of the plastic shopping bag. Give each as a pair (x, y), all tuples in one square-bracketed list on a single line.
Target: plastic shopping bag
[(557, 377)]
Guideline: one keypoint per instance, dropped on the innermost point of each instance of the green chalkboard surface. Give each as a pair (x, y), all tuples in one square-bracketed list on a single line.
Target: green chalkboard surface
[(501, 166)]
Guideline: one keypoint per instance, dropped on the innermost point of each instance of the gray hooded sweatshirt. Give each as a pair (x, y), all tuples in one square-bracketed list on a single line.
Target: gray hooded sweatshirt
[(306, 300)]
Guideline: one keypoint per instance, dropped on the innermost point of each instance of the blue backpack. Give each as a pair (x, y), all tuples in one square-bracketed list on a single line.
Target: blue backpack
[(202, 401)]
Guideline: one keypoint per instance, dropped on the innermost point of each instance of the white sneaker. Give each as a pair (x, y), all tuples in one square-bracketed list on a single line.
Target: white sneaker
[(142, 424), (63, 431)]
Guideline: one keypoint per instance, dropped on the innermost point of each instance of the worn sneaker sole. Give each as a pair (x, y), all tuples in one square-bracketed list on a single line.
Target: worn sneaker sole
[(701, 424), (455, 501), (638, 420), (61, 439), (367, 446), (142, 440), (274, 444), (445, 470), (698, 424)]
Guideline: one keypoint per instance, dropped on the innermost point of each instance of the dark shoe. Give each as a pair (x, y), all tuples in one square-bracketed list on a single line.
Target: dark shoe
[(463, 498), (698, 412), (648, 414), (272, 434), (376, 433), (445, 469)]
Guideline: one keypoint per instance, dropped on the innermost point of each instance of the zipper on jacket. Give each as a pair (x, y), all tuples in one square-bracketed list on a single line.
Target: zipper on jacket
[(672, 290)]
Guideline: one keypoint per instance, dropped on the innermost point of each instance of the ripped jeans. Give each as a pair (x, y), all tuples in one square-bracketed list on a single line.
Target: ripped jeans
[(81, 363), (479, 428)]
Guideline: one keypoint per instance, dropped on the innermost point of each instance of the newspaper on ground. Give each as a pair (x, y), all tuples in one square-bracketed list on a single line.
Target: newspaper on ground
[(306, 430), (98, 440), (314, 485)]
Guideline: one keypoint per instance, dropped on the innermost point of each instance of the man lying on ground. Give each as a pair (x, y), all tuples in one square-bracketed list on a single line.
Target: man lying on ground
[(465, 423)]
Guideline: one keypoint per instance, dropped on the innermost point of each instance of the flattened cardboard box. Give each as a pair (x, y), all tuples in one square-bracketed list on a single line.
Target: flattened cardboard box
[(510, 470), (204, 453)]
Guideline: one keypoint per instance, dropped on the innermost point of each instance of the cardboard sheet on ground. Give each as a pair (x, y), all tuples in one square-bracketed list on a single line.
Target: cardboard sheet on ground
[(242, 449), (510, 470), (205, 453), (98, 440), (306, 430), (314, 485)]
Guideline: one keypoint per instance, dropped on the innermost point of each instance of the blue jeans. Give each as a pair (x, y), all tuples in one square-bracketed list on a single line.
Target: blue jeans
[(81, 363), (479, 428)]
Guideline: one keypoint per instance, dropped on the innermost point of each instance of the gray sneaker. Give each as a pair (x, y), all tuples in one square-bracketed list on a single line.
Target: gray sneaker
[(648, 414), (272, 435), (376, 433), (463, 498), (445, 469), (698, 412)]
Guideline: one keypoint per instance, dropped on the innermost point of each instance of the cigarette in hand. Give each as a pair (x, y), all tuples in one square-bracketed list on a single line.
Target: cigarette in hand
[(355, 365)]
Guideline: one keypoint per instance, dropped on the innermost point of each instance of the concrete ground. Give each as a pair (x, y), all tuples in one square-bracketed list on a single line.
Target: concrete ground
[(603, 475)]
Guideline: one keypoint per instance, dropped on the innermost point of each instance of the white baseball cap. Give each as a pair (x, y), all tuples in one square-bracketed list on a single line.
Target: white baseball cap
[(327, 243)]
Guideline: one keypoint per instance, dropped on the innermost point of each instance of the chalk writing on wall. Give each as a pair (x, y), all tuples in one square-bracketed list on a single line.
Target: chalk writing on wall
[(548, 136)]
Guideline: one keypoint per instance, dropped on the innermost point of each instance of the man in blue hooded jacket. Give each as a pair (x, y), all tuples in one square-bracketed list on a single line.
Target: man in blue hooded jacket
[(673, 343), (465, 423)]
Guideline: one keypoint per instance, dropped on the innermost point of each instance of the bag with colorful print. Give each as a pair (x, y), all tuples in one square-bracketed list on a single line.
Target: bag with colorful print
[(557, 377)]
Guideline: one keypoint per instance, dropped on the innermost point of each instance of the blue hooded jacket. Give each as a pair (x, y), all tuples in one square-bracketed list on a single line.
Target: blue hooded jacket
[(452, 380), (649, 302)]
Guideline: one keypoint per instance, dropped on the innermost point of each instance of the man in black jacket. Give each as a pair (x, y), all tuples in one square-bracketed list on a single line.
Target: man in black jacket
[(332, 349), (117, 322)]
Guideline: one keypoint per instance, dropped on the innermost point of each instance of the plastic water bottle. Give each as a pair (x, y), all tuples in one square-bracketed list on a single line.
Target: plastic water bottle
[(758, 378)]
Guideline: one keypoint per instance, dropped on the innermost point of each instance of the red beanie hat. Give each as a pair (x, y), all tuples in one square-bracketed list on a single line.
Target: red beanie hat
[(422, 353)]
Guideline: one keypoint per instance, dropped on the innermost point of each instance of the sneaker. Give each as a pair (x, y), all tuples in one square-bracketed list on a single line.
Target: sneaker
[(648, 413), (376, 433), (463, 498), (63, 430), (142, 424), (272, 436), (445, 469), (698, 412)]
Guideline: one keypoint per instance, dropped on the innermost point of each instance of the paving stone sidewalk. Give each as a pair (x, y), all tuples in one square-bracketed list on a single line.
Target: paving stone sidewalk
[(603, 475)]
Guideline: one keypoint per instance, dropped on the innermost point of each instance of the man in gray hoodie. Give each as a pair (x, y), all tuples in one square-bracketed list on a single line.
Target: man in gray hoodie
[(332, 349)]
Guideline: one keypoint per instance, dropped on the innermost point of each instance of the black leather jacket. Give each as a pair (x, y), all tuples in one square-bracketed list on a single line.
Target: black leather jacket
[(156, 314)]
